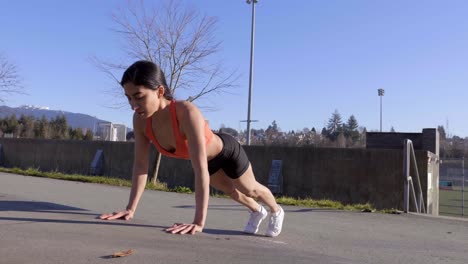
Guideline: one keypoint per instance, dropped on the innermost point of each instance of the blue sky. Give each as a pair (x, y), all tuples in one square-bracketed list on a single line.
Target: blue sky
[(311, 58)]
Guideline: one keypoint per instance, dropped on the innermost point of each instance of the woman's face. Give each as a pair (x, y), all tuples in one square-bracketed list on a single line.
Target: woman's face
[(142, 100)]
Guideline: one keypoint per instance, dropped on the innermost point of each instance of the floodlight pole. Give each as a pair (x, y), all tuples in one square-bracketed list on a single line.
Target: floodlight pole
[(381, 93), (252, 41)]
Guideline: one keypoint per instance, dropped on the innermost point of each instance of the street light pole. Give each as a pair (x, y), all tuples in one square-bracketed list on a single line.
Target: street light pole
[(381, 93), (253, 2)]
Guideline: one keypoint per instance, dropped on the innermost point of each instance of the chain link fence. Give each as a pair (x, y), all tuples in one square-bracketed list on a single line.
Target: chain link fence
[(453, 197)]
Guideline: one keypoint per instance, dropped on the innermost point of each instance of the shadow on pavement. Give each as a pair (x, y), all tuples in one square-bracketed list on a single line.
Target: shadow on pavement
[(63, 221), (242, 208), (224, 232), (40, 207), (45, 207), (215, 207), (31, 206)]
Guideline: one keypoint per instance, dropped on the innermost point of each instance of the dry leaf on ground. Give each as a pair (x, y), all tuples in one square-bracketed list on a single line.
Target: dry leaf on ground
[(123, 253)]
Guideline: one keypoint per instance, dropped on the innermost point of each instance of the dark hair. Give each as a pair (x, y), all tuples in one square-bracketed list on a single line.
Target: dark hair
[(147, 74)]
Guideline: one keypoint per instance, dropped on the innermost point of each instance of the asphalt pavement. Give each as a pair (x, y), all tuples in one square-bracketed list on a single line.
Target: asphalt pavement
[(53, 221)]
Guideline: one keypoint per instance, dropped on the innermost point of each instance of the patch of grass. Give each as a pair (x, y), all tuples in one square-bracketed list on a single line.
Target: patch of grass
[(450, 202), (182, 189), (307, 202), (158, 186), (324, 203), (81, 178)]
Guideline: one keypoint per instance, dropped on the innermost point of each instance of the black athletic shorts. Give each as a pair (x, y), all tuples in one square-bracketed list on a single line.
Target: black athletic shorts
[(232, 159)]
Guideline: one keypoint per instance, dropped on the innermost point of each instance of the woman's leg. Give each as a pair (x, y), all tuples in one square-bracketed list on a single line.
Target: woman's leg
[(248, 185), (222, 182), (251, 188)]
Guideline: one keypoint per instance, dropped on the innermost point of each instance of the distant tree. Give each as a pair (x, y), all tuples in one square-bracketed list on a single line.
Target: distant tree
[(10, 125), (3, 125), (457, 147), (392, 129), (42, 128), (324, 132), (297, 138), (75, 134), (309, 136), (341, 140), (71, 133), (88, 135), (352, 123), (334, 126), (130, 136), (27, 126), (79, 132), (351, 130), (258, 137), (59, 127), (10, 81), (272, 134)]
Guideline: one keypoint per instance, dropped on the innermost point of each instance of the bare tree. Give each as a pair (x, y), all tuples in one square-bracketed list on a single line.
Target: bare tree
[(10, 81), (180, 40)]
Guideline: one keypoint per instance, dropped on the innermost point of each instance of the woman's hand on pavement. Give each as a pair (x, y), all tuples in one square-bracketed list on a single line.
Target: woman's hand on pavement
[(182, 229), (125, 215)]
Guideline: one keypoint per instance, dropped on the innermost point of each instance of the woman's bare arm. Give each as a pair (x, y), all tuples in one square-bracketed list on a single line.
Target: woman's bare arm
[(192, 124), (139, 174)]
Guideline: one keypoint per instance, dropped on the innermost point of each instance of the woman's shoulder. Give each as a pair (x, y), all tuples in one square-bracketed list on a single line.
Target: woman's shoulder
[(187, 110), (184, 106), (183, 103)]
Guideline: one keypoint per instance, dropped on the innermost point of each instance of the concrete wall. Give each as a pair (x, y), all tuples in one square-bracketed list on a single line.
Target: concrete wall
[(67, 156), (347, 175), (428, 140)]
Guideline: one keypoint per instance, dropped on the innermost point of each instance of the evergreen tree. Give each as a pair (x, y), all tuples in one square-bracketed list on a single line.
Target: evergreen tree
[(42, 128), (59, 127), (75, 134), (72, 133), (10, 125), (324, 132), (79, 133), (3, 125), (352, 123), (334, 126), (272, 133), (351, 129), (88, 136), (27, 126)]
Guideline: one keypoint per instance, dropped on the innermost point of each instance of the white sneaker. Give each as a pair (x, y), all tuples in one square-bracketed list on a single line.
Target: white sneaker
[(275, 223), (255, 219)]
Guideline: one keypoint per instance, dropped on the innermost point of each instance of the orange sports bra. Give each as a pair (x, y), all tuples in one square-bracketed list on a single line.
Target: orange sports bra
[(181, 150)]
